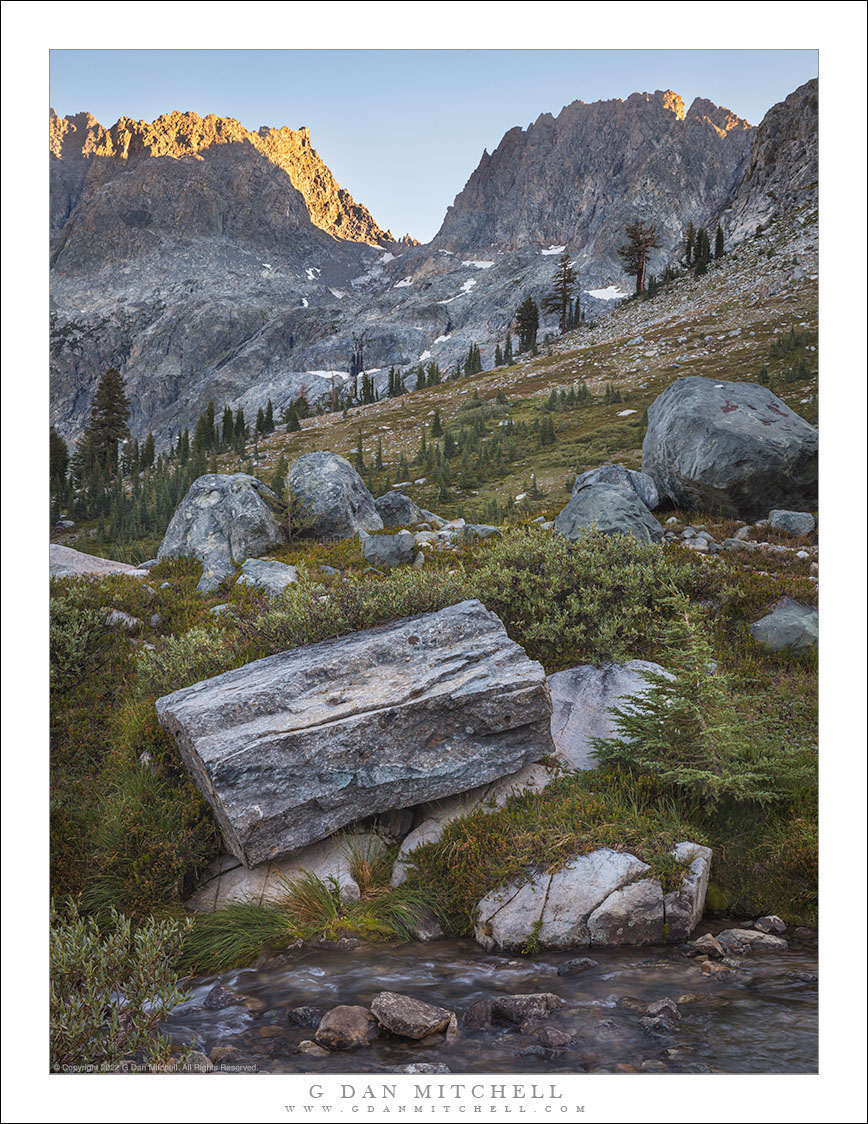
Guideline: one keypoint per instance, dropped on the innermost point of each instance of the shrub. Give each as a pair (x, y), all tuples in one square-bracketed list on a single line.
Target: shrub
[(79, 642), (110, 988)]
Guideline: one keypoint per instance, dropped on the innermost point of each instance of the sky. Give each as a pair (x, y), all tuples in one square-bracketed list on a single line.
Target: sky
[(402, 130)]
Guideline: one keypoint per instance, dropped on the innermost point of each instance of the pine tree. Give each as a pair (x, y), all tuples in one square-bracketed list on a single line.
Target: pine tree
[(293, 425), (507, 351), (718, 242), (58, 462), (269, 417), (359, 455), (436, 425), (526, 325), (227, 436), (498, 356), (559, 300), (107, 426), (641, 239), (688, 245)]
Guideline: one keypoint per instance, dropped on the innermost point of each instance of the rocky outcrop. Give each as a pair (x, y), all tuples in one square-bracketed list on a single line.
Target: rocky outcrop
[(291, 748), (782, 169), (610, 509), (790, 625), (386, 551), (603, 898), (577, 179), (328, 498), (730, 448), (64, 562), (791, 522), (268, 575), (222, 521), (582, 701)]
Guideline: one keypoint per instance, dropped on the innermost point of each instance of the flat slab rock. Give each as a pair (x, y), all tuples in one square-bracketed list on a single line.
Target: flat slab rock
[(291, 748), (602, 898), (227, 881), (64, 562), (409, 1017)]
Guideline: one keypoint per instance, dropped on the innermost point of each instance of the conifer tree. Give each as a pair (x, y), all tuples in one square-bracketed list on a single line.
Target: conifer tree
[(269, 417), (688, 244), (436, 425), (227, 436), (526, 325), (641, 239), (718, 242), (507, 350), (559, 300), (498, 356), (107, 426)]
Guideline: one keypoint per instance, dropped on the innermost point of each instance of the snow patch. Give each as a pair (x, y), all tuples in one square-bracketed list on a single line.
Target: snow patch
[(554, 250), (387, 257), (465, 288), (328, 374), (304, 302), (479, 264), (425, 355), (337, 293), (403, 284), (610, 293), (310, 271), (625, 413), (443, 339)]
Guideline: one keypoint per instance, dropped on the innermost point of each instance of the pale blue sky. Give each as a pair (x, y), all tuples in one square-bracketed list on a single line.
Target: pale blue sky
[(401, 129)]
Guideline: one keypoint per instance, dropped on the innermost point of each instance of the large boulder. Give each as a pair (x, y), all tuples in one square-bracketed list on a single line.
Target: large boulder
[(617, 476), (582, 700), (222, 521), (398, 510), (291, 748), (611, 509), (328, 498), (227, 881), (789, 625), (386, 551), (791, 522), (603, 898), (64, 562), (268, 575), (731, 448)]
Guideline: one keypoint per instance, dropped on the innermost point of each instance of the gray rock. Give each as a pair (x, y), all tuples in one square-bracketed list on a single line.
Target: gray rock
[(612, 510), (791, 625), (473, 531), (517, 1008), (223, 520), (734, 939), (617, 476), (312, 1049), (409, 1017), (64, 562), (387, 551), (227, 881), (602, 898), (328, 498), (792, 522), (267, 574), (347, 1028), (573, 967), (306, 1016), (218, 998), (770, 924), (398, 510), (291, 748), (418, 1067), (732, 448), (119, 619), (582, 699)]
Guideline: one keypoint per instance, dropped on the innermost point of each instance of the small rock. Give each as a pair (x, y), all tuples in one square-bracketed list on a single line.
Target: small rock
[(305, 1016), (347, 1028), (792, 522), (517, 1008), (118, 619), (222, 1054), (388, 550), (770, 924), (572, 967), (709, 945), (311, 1048), (478, 1015), (220, 997), (734, 939), (663, 1007), (196, 1062), (409, 1017)]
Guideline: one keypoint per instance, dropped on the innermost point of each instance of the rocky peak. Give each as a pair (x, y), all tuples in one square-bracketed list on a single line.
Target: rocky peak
[(185, 135)]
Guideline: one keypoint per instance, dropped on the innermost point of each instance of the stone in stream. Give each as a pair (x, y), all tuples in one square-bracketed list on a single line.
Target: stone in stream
[(617, 476), (573, 967), (305, 1016), (582, 698), (347, 1028), (732, 448), (293, 747), (753, 939), (221, 521), (220, 997), (517, 1008), (602, 898), (790, 625), (64, 562), (328, 498), (770, 924), (612, 510), (408, 1017)]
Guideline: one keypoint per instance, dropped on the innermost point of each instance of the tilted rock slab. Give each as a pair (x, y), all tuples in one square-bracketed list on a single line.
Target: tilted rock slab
[(582, 698), (291, 748), (731, 448), (64, 562), (617, 476), (602, 898), (223, 520)]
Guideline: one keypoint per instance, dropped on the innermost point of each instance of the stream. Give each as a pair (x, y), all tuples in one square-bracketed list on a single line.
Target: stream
[(761, 1020)]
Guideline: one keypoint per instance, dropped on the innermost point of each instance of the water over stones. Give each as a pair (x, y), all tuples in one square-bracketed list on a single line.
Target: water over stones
[(733, 448), (291, 748), (328, 498), (606, 897), (221, 521)]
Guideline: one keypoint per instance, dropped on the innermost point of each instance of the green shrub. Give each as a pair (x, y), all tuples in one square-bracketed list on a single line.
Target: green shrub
[(79, 642), (110, 988)]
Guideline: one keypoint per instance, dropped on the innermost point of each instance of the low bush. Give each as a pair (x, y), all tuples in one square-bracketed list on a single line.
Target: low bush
[(110, 988)]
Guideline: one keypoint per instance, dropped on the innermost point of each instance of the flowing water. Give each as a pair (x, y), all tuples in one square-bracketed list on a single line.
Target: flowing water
[(763, 1020)]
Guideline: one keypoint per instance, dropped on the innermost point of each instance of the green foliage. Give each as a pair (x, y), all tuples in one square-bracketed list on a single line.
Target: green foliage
[(110, 988), (79, 642), (685, 731), (526, 325), (641, 239), (575, 815)]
